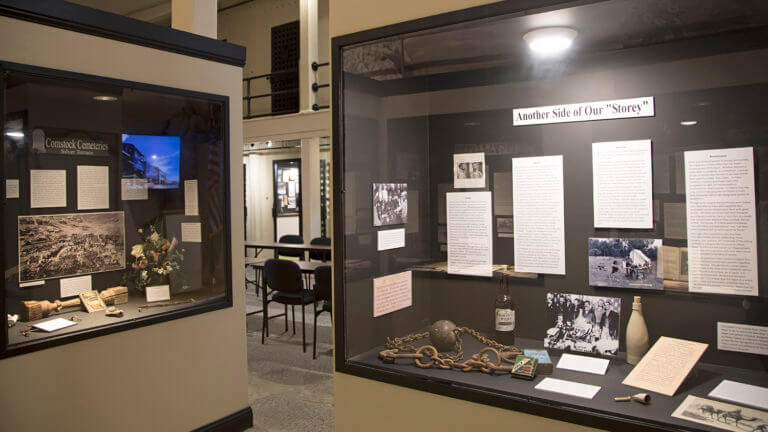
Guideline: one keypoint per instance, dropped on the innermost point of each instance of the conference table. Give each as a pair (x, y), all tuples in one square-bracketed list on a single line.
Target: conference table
[(260, 246)]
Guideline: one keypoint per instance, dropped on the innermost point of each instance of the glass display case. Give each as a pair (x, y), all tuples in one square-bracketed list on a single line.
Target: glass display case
[(115, 206), (554, 209)]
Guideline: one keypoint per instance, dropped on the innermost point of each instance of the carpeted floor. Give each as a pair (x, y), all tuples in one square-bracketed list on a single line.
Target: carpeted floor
[(288, 391)]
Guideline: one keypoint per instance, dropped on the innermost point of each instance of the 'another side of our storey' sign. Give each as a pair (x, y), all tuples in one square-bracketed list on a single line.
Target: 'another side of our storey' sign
[(601, 110)]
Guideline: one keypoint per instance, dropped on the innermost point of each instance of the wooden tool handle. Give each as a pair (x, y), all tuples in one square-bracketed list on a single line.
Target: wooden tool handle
[(69, 303)]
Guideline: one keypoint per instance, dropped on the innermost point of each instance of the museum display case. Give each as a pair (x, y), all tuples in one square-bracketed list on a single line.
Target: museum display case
[(559, 210), (115, 207)]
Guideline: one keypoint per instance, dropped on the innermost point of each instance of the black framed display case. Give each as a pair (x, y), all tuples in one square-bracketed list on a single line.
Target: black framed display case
[(116, 206), (674, 79)]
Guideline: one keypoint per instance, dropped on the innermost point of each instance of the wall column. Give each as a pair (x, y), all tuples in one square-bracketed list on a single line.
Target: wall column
[(195, 16), (308, 52), (310, 187)]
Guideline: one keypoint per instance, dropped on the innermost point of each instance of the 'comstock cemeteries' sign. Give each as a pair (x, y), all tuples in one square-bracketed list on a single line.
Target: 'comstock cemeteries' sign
[(70, 143)]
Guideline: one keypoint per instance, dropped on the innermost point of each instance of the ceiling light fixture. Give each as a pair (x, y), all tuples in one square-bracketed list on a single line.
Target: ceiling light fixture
[(105, 98), (549, 41), (689, 123), (269, 143), (15, 134)]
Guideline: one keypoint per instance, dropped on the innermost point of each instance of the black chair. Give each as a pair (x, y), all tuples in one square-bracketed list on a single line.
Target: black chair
[(322, 293), (320, 255), (284, 277), (293, 253)]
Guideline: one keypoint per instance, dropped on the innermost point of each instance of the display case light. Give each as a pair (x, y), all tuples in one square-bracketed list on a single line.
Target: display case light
[(549, 41), (105, 98), (689, 123), (15, 134)]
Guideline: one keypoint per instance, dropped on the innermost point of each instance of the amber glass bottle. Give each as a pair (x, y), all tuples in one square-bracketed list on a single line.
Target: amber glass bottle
[(504, 315)]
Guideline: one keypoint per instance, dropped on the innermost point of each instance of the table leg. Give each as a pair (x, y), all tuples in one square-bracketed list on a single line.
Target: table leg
[(264, 311)]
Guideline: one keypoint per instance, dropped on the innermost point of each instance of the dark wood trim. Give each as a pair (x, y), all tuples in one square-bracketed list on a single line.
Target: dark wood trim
[(526, 404), (224, 302), (236, 422), (4, 319), (81, 19)]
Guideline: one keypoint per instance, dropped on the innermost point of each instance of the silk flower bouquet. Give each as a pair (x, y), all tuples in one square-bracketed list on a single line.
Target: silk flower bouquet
[(154, 260)]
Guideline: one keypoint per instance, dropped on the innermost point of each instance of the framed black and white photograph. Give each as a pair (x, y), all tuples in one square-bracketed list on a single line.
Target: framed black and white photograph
[(53, 246), (390, 204), (722, 415), (625, 263), (583, 323), (469, 170), (505, 227)]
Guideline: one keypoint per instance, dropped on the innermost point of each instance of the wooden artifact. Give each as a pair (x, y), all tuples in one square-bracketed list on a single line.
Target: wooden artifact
[(34, 310), (643, 398), (115, 295)]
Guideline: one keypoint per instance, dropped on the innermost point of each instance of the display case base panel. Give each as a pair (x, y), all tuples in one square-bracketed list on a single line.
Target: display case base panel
[(700, 382)]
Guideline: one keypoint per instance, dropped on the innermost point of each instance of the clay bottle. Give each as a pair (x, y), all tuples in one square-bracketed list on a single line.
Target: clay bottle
[(637, 333)]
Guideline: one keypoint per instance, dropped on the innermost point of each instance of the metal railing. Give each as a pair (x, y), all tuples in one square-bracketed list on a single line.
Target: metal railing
[(248, 97), (316, 86)]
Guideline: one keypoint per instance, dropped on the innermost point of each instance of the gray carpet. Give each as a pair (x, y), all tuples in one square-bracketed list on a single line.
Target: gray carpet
[(287, 390)]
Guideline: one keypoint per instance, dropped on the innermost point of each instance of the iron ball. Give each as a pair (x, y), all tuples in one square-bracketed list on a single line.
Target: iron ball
[(443, 336)]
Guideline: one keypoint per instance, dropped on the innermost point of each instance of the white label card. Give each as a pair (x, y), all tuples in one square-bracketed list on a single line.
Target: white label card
[(190, 198), (92, 187), (569, 388), (470, 233), (622, 184), (391, 239), (47, 188), (585, 364), (392, 293), (54, 324), (158, 293), (190, 232), (70, 287), (11, 188), (742, 338), (134, 189), (746, 394), (601, 110)]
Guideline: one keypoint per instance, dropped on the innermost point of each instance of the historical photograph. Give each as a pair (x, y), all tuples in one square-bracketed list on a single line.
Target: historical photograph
[(583, 323), (505, 227), (469, 170), (625, 263), (390, 204), (52, 246), (722, 415)]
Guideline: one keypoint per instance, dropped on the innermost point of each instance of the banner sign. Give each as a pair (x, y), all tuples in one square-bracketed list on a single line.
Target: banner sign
[(74, 143), (601, 110)]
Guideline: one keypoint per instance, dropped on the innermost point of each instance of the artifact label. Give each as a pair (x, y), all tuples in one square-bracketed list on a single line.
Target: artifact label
[(505, 319), (722, 232), (71, 287), (746, 394), (537, 193), (92, 187), (47, 188), (665, 365), (190, 232), (570, 388), (134, 189), (54, 324), (622, 184), (391, 239), (392, 293), (12, 188), (158, 293), (190, 198), (585, 111), (585, 364), (742, 338), (470, 233)]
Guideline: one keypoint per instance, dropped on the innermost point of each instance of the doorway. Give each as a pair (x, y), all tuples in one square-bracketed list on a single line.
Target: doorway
[(286, 210)]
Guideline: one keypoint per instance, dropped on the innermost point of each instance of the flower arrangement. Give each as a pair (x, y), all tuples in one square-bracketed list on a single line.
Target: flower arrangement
[(154, 260)]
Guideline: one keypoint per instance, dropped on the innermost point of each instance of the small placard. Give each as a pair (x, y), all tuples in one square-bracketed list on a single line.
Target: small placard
[(190, 198), (742, 338), (158, 293), (585, 111), (31, 283), (190, 232), (92, 302), (54, 324), (11, 188), (71, 287), (585, 364), (746, 394), (569, 388), (134, 189), (391, 239), (391, 293)]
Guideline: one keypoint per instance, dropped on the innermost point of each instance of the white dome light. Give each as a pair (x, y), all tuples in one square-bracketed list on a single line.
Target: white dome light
[(550, 41)]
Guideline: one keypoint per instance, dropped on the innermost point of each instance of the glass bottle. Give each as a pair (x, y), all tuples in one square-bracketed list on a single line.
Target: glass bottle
[(504, 315)]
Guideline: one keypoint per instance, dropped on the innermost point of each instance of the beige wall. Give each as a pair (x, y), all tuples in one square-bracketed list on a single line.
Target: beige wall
[(361, 404), (173, 376)]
